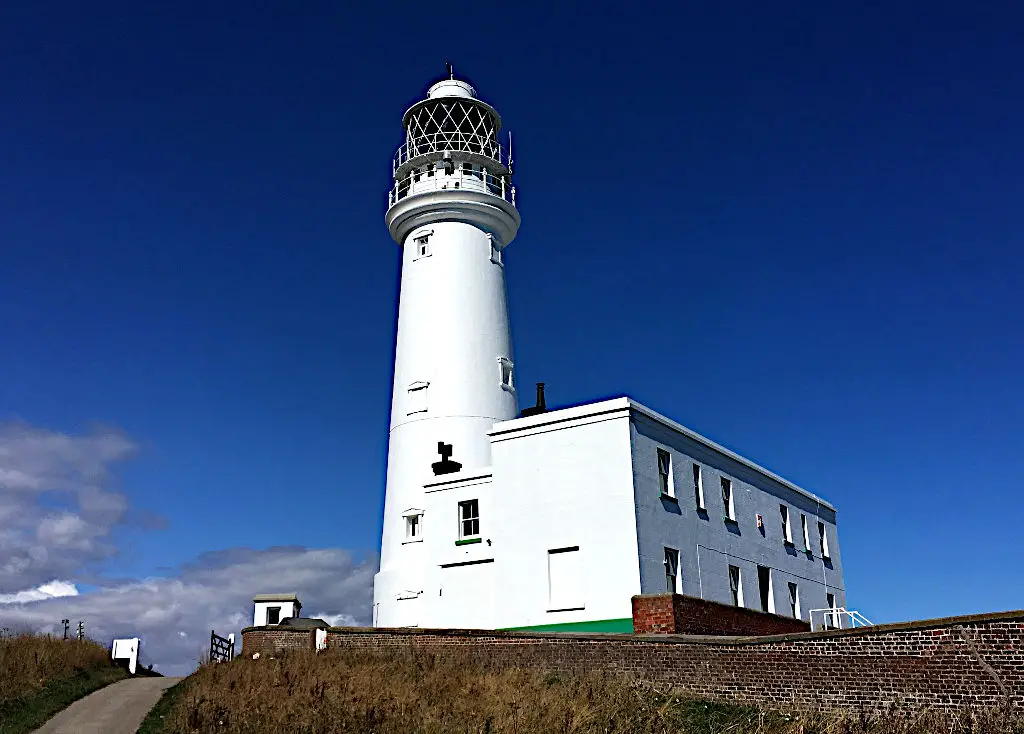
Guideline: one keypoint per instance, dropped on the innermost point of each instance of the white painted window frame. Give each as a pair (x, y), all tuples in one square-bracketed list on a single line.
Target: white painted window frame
[(504, 363), (730, 505), (417, 398), (823, 539), (666, 486), (698, 486), (421, 244), (794, 599), (672, 570), (464, 518), (738, 600), (787, 524), (412, 517), (495, 251), (804, 528)]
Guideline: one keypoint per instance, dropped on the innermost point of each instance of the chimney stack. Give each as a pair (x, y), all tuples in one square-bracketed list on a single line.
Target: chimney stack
[(540, 407)]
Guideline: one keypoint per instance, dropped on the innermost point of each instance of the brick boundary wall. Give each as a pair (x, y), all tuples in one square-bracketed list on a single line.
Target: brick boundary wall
[(959, 662), (688, 615)]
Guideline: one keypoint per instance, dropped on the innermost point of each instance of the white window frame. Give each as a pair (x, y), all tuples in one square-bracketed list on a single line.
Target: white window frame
[(823, 539), (666, 487), (729, 502), (464, 518), (806, 533), (413, 521), (794, 599), (698, 486), (736, 598), (417, 397), (672, 571), (421, 244), (787, 526), (506, 369), (496, 256), (832, 616)]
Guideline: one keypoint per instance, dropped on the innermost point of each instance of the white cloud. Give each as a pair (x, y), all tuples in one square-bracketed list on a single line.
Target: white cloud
[(52, 590), (57, 508), (174, 615)]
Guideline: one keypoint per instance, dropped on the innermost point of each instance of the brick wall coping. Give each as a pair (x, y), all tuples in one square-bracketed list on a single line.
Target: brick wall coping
[(878, 629)]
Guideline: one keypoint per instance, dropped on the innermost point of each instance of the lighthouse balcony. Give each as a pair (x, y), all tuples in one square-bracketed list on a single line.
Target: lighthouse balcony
[(461, 176)]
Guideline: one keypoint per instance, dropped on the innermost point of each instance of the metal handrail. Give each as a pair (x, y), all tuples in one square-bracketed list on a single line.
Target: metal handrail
[(480, 179), (441, 142), (838, 613)]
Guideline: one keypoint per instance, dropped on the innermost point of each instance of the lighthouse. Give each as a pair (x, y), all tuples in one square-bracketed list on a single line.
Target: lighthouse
[(549, 519), (451, 209)]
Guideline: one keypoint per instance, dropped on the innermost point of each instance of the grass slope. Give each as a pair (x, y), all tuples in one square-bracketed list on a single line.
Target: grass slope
[(40, 676), (407, 692), (156, 721)]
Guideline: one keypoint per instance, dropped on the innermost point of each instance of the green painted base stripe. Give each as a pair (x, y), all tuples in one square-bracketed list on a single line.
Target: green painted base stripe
[(621, 626)]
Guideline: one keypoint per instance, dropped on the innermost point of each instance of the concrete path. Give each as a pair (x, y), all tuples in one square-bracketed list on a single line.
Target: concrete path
[(117, 709)]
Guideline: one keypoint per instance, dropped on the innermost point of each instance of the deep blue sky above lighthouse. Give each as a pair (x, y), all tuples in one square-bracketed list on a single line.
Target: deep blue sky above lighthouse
[(794, 228)]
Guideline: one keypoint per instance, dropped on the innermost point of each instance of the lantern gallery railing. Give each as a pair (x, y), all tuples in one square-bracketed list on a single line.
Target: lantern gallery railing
[(461, 176), (443, 142)]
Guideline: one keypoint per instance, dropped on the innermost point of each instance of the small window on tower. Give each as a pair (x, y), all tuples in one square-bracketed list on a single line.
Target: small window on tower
[(506, 367), (273, 615), (421, 245), (417, 398), (430, 170), (467, 169), (495, 252), (413, 527), (415, 175)]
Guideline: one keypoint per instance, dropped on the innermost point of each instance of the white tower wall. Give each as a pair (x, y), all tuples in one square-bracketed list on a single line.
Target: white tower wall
[(453, 352)]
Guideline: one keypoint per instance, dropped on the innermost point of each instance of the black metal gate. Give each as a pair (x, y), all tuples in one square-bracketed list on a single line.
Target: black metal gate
[(222, 649)]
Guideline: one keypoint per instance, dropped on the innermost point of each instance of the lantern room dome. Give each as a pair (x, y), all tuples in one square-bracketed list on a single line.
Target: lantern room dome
[(451, 88)]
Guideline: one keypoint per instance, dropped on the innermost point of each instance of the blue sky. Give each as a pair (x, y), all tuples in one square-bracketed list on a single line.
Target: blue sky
[(795, 229)]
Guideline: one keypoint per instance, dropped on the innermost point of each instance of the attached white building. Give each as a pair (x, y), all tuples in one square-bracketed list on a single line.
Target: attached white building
[(556, 519)]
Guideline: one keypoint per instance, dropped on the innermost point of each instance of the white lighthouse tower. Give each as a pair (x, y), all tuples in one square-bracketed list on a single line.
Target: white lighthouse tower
[(452, 209)]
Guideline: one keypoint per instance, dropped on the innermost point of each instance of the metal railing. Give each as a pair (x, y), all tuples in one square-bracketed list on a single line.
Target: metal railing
[(479, 179), (832, 618), (442, 142)]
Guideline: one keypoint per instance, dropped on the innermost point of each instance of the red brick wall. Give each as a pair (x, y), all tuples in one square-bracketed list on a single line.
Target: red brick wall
[(688, 615), (270, 639), (948, 663)]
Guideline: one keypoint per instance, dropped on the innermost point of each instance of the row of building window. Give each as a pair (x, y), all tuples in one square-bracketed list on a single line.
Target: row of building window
[(673, 584), (667, 483)]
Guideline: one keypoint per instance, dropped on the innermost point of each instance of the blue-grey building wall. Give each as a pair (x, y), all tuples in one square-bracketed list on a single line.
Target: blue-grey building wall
[(708, 544)]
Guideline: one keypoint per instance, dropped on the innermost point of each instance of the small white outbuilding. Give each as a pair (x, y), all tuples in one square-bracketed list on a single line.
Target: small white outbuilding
[(272, 608)]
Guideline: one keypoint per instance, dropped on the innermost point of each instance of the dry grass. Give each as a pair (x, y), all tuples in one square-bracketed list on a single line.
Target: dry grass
[(29, 662), (39, 676), (349, 691)]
